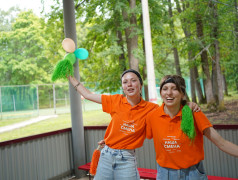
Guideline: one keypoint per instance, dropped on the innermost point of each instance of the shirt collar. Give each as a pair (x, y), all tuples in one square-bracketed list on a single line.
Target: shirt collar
[(162, 113), (142, 102)]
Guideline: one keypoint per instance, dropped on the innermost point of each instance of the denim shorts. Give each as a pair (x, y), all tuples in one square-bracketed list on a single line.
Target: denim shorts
[(117, 164), (195, 172)]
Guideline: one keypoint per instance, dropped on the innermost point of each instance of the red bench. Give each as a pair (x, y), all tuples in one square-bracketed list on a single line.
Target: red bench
[(86, 167), (149, 173), (144, 173)]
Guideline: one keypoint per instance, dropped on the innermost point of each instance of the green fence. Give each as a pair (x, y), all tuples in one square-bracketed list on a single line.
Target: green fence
[(34, 100), (14, 98), (46, 99)]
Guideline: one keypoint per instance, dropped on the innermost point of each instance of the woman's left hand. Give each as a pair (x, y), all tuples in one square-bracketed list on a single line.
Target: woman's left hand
[(194, 107)]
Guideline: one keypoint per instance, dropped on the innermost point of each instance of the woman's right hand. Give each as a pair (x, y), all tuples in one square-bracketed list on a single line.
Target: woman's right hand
[(101, 143), (73, 80)]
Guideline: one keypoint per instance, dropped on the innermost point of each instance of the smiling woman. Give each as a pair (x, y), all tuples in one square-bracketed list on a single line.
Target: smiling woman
[(179, 150), (126, 130), (172, 91)]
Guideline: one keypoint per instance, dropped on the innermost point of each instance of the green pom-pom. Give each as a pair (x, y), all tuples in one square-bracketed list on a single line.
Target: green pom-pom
[(71, 57), (187, 124), (63, 69)]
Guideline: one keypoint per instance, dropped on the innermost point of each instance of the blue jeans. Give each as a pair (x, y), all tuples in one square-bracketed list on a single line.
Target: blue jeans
[(117, 164), (195, 172)]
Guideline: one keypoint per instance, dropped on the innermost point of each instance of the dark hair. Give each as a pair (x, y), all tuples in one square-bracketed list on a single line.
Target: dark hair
[(135, 72), (178, 81)]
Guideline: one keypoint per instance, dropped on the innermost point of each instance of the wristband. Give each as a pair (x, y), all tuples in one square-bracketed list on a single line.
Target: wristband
[(76, 86)]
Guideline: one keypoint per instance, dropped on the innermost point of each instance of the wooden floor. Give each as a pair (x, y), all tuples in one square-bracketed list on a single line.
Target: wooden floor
[(83, 178), (86, 178)]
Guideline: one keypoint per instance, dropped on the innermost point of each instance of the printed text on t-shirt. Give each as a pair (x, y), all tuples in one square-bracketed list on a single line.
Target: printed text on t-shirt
[(172, 144), (128, 127)]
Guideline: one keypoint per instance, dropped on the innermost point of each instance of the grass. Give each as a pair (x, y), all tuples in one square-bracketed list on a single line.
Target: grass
[(6, 122), (90, 118)]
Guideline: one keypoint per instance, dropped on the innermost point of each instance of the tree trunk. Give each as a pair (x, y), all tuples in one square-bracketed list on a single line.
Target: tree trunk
[(122, 59), (236, 39), (146, 91), (175, 51), (187, 35), (214, 82), (221, 105), (224, 84), (176, 61), (211, 105), (192, 79), (131, 36), (200, 96)]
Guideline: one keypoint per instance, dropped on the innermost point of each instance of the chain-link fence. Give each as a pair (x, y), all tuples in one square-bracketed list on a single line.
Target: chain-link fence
[(34, 100), (15, 99), (45, 99)]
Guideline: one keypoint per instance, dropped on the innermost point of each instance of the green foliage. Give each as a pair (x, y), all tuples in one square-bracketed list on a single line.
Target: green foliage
[(23, 59), (31, 46), (100, 38)]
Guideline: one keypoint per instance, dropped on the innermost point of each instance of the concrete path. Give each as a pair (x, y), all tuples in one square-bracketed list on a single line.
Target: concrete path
[(25, 123)]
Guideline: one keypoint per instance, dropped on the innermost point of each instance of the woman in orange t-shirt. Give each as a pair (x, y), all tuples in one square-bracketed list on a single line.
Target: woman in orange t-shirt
[(178, 134), (126, 131)]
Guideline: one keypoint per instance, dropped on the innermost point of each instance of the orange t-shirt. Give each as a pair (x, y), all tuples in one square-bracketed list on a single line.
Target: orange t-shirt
[(127, 127), (173, 148)]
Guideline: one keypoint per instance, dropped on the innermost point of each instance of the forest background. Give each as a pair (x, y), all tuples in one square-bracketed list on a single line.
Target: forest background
[(196, 39)]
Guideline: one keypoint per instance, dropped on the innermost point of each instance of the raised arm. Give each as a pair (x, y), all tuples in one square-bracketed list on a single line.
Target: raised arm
[(220, 142), (84, 91)]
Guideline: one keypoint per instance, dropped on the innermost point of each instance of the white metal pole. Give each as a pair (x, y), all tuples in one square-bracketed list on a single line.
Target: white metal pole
[(149, 52)]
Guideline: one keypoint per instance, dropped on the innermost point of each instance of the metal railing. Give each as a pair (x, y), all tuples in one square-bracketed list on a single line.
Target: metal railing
[(49, 155)]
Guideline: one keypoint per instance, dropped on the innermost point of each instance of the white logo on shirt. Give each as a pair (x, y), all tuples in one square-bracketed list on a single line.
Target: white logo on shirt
[(128, 127), (172, 144)]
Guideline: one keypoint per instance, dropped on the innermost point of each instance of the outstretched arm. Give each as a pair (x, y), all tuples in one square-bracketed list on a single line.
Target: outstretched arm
[(84, 91), (220, 142)]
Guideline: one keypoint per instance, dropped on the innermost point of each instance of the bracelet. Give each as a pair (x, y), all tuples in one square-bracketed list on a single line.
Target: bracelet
[(76, 86)]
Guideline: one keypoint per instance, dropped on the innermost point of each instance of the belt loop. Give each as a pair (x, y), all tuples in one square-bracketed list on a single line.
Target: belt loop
[(106, 148), (121, 152)]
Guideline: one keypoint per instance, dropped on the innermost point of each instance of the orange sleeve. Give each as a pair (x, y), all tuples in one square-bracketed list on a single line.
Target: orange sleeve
[(149, 134), (201, 121), (107, 103)]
